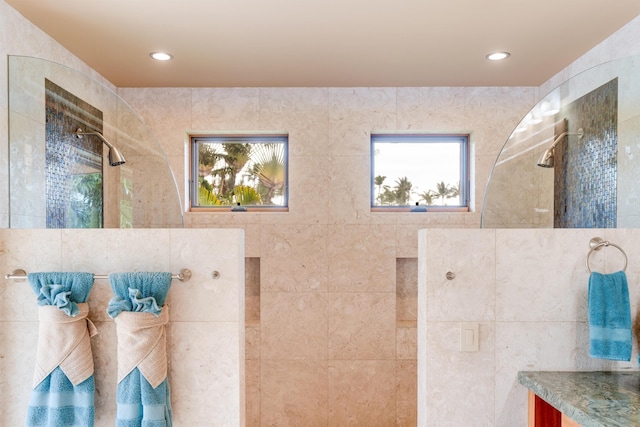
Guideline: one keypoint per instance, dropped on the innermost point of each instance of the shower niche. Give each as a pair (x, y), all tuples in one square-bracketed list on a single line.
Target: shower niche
[(69, 136)]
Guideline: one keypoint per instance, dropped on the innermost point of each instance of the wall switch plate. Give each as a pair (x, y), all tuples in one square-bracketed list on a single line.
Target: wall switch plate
[(469, 337)]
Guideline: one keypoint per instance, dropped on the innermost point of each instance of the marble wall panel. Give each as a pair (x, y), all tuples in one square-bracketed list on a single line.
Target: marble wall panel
[(466, 397), (525, 272), (361, 258), (432, 109), (166, 111), (206, 333), (310, 197), (540, 322), (348, 182), (225, 109), (362, 326), (294, 392), (205, 372), (290, 263), (354, 114), (406, 343), (293, 326), (474, 275), (406, 391), (407, 289), (362, 392)]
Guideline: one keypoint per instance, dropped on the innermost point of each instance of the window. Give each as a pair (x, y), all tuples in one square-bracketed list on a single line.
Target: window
[(239, 171), (429, 170)]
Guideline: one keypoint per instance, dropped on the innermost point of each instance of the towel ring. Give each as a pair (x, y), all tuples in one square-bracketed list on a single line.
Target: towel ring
[(596, 243)]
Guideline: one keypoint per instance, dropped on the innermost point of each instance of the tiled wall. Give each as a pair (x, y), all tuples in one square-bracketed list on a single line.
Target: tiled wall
[(329, 345), (205, 332), (586, 169), (527, 290), (329, 297)]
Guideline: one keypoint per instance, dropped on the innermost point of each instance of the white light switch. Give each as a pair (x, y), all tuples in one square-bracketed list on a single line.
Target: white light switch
[(469, 337)]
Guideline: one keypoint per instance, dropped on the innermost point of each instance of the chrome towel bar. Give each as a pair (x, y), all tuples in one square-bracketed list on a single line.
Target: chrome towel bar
[(184, 275)]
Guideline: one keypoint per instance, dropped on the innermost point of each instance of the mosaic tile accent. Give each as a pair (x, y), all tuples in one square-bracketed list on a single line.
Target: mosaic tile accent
[(585, 173), (73, 165)]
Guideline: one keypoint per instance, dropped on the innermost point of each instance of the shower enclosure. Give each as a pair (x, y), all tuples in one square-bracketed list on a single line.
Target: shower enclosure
[(593, 182), (67, 131)]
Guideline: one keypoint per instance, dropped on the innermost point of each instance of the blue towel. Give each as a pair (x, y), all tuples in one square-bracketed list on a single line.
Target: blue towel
[(138, 403), (55, 401), (609, 316)]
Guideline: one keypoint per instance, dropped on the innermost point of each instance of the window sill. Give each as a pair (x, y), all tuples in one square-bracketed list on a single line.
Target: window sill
[(229, 209), (430, 209)]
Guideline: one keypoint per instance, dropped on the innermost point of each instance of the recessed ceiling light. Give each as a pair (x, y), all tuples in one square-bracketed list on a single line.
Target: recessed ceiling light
[(498, 56), (161, 56)]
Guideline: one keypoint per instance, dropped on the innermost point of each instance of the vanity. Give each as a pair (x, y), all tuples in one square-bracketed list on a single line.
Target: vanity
[(583, 399)]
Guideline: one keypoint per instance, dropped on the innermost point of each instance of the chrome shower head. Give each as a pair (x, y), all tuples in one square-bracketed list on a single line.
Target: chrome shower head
[(115, 156), (548, 157)]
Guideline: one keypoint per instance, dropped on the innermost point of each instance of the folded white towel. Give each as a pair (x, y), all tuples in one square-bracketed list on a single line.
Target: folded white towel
[(64, 341), (142, 343)]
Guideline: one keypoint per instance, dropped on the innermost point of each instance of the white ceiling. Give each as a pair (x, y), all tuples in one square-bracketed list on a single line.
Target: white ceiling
[(328, 43)]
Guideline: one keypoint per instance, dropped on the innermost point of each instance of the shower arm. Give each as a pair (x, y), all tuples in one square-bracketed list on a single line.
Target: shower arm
[(80, 133), (115, 156), (580, 134)]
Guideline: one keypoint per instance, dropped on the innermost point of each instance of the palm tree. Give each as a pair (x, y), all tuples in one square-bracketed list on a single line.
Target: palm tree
[(245, 195), (270, 171), (427, 196), (443, 191), (403, 191), (223, 162), (378, 181)]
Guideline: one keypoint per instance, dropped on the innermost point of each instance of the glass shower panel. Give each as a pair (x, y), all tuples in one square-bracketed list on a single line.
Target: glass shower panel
[(48, 103)]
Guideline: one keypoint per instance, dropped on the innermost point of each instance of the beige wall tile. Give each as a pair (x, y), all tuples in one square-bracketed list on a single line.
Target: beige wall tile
[(460, 385), (253, 391), (252, 342), (204, 370), (350, 189), (225, 109), (293, 326), (406, 391), (406, 343), (294, 393), (407, 288), (362, 393), (362, 258), (362, 326), (309, 194), (470, 255), (252, 291), (165, 110), (524, 268), (289, 262), (354, 113), (16, 369), (433, 109)]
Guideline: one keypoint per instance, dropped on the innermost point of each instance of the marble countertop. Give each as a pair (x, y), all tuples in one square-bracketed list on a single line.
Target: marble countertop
[(592, 399)]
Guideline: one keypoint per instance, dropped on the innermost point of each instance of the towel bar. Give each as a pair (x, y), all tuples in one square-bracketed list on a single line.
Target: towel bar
[(596, 243), (183, 275)]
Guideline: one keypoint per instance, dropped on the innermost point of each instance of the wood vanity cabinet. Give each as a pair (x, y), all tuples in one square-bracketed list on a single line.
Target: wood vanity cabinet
[(541, 414)]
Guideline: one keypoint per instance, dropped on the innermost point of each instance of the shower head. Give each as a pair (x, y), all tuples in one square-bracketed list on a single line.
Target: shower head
[(547, 158), (115, 156)]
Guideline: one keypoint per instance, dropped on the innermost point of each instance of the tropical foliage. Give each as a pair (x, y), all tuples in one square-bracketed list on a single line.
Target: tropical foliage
[(85, 201), (244, 173), (401, 193)]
